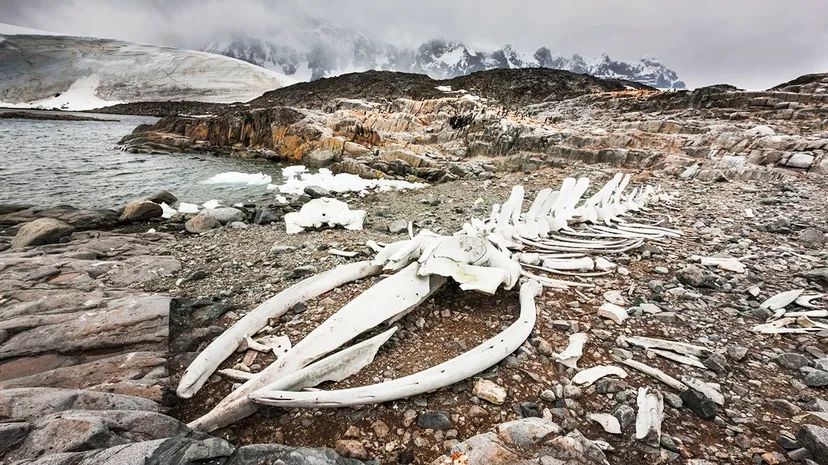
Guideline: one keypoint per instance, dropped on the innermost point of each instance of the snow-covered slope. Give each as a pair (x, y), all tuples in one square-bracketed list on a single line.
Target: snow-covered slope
[(82, 73), (324, 51)]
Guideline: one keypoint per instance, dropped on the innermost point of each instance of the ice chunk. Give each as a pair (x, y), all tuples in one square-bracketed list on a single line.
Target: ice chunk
[(234, 177)]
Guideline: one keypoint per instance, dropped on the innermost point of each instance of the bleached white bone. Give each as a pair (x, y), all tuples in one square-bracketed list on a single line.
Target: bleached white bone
[(336, 367), (705, 388), (223, 346), (725, 263), (608, 422), (573, 352), (677, 347), (781, 300), (458, 368), (805, 300), (393, 295), (650, 415), (613, 312), (655, 373), (593, 374), (683, 359)]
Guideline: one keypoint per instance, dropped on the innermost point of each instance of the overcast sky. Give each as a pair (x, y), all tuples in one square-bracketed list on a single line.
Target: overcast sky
[(750, 43)]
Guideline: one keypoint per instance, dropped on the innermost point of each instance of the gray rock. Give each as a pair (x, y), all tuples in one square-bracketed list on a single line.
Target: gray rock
[(695, 276), (700, 404), (163, 197), (816, 378), (201, 223), (319, 158), (238, 225), (266, 215), (530, 409), (141, 210), (11, 434), (316, 192), (527, 432), (815, 439), (75, 430), (41, 231), (224, 215), (625, 415), (301, 271), (78, 218), (793, 360), (435, 419), (398, 227), (736, 352), (261, 454), (811, 236), (717, 364), (28, 404)]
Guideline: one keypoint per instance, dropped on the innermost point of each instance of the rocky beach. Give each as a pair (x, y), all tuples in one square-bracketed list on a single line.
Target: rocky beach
[(103, 310)]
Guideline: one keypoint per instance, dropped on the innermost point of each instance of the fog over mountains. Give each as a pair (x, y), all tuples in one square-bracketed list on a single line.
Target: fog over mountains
[(326, 50)]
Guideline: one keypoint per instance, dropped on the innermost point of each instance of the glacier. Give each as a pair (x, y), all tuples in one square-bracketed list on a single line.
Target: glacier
[(39, 70)]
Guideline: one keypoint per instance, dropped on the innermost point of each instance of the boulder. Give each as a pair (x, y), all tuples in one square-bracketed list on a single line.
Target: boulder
[(163, 197), (224, 215), (266, 215), (316, 192), (41, 231), (527, 432), (29, 404), (319, 158), (815, 439), (141, 210), (201, 223), (77, 218)]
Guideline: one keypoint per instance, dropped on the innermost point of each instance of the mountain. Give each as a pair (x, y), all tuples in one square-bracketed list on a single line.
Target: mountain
[(325, 51), (38, 70)]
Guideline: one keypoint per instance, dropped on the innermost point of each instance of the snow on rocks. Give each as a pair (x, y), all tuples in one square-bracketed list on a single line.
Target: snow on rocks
[(235, 177), (324, 212), (297, 178)]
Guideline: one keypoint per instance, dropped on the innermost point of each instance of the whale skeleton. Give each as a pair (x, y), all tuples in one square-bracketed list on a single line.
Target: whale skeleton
[(557, 229)]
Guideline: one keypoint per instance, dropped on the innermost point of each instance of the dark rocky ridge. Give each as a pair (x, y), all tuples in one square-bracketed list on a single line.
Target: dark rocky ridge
[(507, 87)]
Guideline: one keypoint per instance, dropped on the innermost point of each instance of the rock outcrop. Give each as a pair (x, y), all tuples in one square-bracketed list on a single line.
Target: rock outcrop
[(717, 132)]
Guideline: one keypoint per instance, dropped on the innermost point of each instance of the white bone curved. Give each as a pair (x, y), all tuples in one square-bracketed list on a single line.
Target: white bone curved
[(335, 367), (608, 423), (805, 300), (223, 346), (655, 373), (458, 368), (573, 352), (593, 374), (781, 300), (386, 299)]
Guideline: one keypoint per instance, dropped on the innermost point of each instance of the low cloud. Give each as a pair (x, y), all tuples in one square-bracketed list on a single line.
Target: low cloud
[(749, 43)]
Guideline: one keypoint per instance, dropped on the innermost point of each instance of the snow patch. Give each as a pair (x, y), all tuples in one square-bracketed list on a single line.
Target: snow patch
[(297, 177), (80, 96), (234, 177)]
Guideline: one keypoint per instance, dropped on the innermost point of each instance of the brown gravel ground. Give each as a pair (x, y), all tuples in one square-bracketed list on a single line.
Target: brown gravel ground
[(242, 272)]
